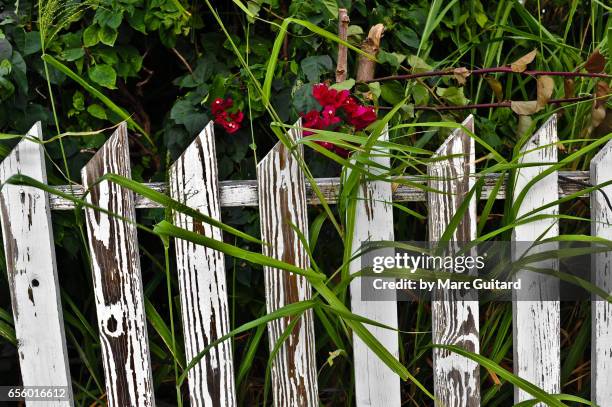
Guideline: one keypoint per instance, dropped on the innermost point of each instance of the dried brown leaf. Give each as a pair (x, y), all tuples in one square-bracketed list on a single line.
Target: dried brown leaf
[(521, 64), (546, 86), (461, 74), (595, 63), (496, 87), (568, 88), (524, 108), (602, 93)]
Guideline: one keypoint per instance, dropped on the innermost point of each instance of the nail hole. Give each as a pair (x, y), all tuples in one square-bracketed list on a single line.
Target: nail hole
[(35, 283), (111, 325)]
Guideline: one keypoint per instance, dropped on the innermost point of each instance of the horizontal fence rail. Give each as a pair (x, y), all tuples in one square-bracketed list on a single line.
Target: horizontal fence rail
[(244, 193)]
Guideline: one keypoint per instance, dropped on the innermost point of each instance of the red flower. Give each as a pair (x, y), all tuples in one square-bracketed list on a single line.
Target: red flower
[(329, 116), (237, 117), (219, 104), (231, 127), (329, 97), (311, 120), (361, 117)]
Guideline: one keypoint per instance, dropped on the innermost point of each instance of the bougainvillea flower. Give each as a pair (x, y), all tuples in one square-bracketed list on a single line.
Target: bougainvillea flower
[(362, 116), (329, 117), (237, 117), (231, 127), (311, 120), (219, 104), (329, 97)]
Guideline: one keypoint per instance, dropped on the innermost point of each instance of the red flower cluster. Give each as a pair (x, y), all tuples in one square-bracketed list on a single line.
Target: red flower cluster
[(229, 121), (334, 102)]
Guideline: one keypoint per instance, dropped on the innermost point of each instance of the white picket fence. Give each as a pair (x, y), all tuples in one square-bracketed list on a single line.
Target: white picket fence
[(282, 196)]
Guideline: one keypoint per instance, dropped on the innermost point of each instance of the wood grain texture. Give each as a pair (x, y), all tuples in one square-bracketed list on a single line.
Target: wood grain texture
[(116, 278), (601, 311), (32, 274), (244, 193), (536, 329), (201, 275), (282, 203), (455, 321), (375, 383)]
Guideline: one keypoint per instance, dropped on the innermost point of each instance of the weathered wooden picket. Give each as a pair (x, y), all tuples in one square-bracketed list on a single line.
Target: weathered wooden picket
[(282, 196)]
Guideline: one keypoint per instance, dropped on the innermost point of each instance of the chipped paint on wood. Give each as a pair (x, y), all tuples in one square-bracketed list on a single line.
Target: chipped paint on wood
[(454, 320), (32, 273), (201, 275), (601, 311), (282, 203), (375, 383), (243, 193), (116, 278), (536, 324)]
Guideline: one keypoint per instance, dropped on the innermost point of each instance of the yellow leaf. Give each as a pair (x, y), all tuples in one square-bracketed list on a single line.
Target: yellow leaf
[(521, 64), (524, 108), (546, 85), (461, 74), (496, 87)]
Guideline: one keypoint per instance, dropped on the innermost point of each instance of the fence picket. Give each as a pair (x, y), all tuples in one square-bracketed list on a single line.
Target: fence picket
[(375, 383), (601, 311), (201, 275), (116, 277), (282, 203), (536, 324), (454, 320), (32, 272)]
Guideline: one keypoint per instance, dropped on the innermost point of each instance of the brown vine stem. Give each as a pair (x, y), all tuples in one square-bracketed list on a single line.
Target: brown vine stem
[(484, 71), (493, 105)]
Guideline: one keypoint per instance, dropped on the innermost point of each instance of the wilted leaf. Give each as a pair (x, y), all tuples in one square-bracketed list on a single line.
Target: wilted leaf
[(546, 85), (461, 74), (496, 87), (597, 116), (524, 108), (602, 93), (524, 125), (521, 64), (568, 88), (595, 63)]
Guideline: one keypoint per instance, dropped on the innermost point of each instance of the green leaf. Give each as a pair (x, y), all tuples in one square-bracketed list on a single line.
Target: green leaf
[(344, 85), (316, 65), (72, 54), (185, 113), (108, 35), (97, 111), (108, 18), (392, 92), (392, 58), (103, 75), (90, 36), (331, 7), (453, 95), (418, 65)]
